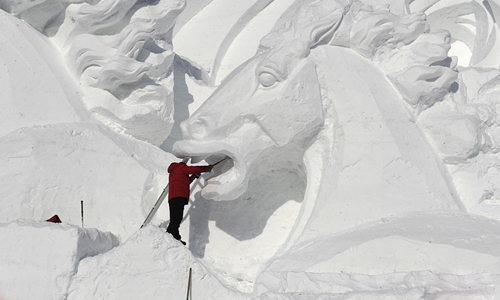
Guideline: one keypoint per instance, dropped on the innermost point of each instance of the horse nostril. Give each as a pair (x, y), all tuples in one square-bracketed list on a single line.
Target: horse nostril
[(194, 129)]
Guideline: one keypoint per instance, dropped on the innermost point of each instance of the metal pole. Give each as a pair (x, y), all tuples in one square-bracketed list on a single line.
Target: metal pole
[(156, 206), (81, 208), (189, 284)]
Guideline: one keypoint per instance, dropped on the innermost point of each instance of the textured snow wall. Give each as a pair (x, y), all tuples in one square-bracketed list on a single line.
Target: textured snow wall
[(149, 264), (39, 259)]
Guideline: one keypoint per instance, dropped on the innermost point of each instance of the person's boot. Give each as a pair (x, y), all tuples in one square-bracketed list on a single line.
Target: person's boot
[(177, 237)]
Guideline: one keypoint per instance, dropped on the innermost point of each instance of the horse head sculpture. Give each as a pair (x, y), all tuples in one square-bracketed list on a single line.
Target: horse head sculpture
[(275, 98), (270, 101)]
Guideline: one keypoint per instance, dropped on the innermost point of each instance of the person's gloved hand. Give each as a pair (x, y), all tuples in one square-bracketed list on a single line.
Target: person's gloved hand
[(209, 168), (193, 177)]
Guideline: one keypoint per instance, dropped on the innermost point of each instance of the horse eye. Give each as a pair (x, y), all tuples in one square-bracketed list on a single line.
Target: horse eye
[(267, 79)]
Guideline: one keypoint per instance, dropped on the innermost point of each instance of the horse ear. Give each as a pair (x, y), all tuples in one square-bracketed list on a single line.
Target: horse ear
[(322, 31), (309, 24), (326, 17)]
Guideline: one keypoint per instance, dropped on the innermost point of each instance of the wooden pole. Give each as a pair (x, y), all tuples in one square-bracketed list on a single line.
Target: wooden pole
[(189, 284), (81, 208)]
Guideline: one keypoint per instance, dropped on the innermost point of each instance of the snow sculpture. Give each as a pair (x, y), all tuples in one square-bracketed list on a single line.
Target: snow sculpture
[(59, 150), (352, 132), (304, 95), (277, 95), (463, 126), (121, 52)]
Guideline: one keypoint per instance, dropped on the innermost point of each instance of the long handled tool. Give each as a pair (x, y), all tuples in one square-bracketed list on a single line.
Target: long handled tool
[(155, 207), (219, 161)]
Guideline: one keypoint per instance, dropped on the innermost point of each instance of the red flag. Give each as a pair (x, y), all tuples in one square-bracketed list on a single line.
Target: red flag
[(54, 219)]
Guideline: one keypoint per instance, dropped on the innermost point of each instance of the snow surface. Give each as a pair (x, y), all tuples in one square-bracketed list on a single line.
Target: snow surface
[(41, 258), (362, 140)]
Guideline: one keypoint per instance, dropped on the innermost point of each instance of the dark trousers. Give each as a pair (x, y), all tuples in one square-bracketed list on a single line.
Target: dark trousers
[(176, 206)]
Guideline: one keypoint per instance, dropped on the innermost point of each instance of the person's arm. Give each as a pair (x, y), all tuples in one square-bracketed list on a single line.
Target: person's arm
[(197, 169)]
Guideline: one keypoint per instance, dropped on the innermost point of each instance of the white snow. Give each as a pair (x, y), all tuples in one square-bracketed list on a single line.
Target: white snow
[(39, 259), (361, 139), (149, 265), (26, 54)]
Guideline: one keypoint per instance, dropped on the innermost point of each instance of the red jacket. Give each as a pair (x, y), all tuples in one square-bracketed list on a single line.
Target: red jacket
[(179, 181)]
